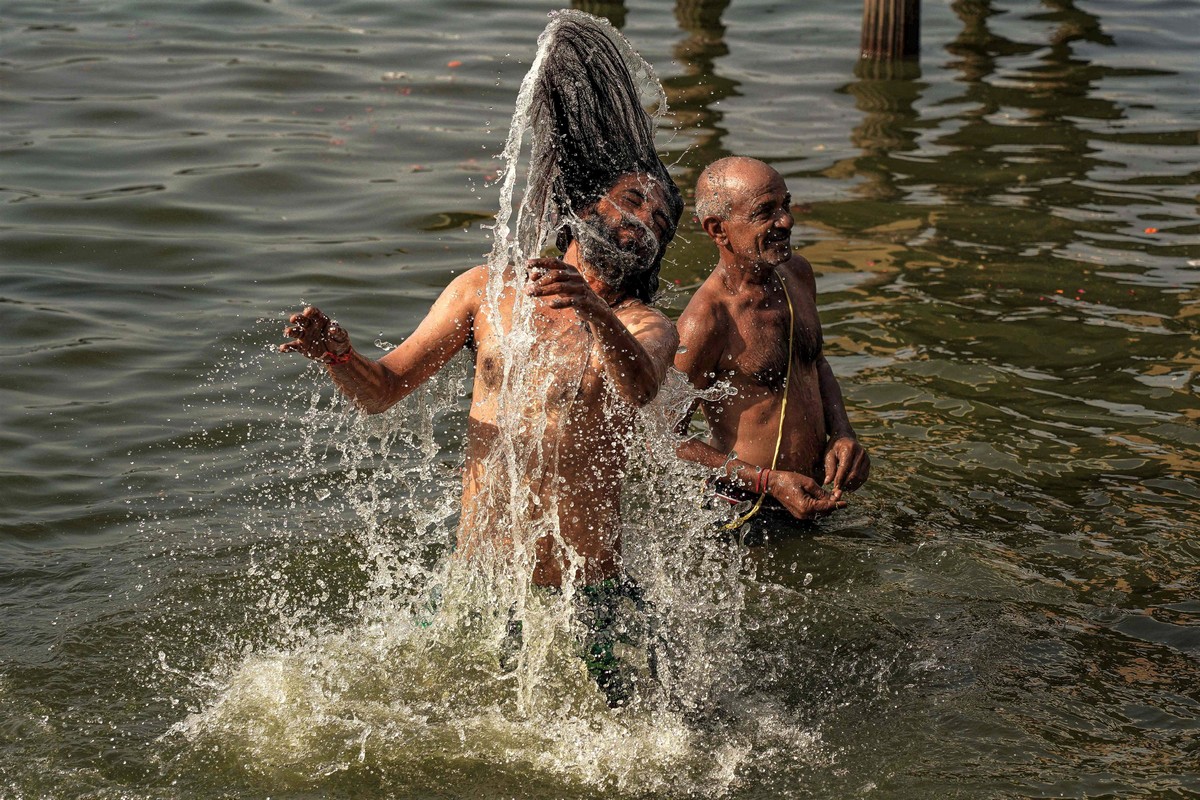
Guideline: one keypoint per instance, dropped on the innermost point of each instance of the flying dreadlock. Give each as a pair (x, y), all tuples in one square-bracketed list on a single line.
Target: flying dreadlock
[(589, 130)]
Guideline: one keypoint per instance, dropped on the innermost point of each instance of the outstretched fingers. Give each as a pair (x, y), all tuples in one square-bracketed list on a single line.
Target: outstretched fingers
[(309, 333), (296, 326)]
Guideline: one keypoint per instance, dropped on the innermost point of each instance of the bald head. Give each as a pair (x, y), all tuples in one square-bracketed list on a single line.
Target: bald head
[(723, 182), (745, 208)]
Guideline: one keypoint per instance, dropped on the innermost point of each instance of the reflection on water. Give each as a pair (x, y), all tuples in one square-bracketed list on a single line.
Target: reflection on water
[(696, 94), (612, 10), (886, 92), (210, 572)]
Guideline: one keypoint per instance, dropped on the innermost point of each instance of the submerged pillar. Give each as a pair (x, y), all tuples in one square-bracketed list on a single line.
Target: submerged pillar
[(891, 29), (612, 10)]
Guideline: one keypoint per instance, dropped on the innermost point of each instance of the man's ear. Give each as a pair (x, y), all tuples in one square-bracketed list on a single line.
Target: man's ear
[(715, 228)]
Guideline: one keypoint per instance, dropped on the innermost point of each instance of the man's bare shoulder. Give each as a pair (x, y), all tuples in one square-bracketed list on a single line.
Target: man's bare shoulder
[(648, 325), (708, 307), (474, 278), (467, 289), (635, 312), (797, 268)]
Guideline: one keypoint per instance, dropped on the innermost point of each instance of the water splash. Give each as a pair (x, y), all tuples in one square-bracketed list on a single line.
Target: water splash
[(523, 458), (435, 660), (388, 663)]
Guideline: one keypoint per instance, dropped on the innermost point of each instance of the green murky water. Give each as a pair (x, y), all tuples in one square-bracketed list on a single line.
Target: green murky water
[(203, 564)]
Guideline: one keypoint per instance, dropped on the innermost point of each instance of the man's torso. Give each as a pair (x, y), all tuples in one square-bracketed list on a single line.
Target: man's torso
[(566, 427), (754, 361)]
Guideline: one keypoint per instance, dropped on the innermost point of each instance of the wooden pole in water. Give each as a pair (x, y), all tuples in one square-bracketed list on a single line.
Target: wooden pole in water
[(891, 29)]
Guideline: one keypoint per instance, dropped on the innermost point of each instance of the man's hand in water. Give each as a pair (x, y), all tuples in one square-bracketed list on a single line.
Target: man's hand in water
[(315, 336), (563, 286), (801, 495), (846, 464)]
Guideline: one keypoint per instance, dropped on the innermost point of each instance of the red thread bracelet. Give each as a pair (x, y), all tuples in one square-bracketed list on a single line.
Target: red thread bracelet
[(762, 480), (337, 358)]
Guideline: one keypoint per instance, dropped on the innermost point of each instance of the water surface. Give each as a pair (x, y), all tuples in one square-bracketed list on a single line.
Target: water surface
[(1008, 262)]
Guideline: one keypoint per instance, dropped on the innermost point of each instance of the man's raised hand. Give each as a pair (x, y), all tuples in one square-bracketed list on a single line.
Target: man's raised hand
[(316, 336), (563, 286)]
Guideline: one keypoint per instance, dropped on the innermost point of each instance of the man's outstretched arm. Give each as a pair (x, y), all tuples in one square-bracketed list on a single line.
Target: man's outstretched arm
[(374, 386)]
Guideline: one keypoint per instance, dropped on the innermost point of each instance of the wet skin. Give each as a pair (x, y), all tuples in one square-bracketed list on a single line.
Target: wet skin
[(598, 356), (735, 330)]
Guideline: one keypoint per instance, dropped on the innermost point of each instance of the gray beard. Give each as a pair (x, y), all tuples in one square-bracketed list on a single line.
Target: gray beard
[(597, 240)]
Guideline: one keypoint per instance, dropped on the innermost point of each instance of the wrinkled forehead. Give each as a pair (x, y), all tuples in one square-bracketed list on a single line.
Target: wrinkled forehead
[(750, 185), (650, 187)]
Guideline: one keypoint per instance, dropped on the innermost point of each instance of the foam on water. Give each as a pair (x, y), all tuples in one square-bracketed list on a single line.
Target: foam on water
[(419, 699), (416, 675)]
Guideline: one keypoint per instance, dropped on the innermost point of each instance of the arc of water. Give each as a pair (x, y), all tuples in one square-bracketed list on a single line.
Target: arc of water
[(520, 453)]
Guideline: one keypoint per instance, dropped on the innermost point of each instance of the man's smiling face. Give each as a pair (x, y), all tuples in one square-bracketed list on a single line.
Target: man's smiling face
[(759, 227)]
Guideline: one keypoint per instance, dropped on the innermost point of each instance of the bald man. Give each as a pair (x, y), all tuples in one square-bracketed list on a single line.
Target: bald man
[(753, 325)]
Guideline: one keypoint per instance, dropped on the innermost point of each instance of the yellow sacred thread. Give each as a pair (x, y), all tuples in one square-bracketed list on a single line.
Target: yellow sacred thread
[(737, 523)]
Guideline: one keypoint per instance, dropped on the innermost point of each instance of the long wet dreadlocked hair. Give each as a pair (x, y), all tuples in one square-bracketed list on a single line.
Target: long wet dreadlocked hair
[(589, 130)]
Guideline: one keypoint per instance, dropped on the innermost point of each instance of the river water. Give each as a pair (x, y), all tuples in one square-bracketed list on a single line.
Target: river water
[(209, 568)]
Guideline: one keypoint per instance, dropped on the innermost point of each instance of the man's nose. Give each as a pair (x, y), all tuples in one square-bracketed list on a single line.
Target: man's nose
[(785, 219), (647, 226)]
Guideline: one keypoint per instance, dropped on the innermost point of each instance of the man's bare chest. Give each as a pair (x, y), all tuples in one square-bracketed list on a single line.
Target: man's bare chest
[(759, 344), (546, 356)]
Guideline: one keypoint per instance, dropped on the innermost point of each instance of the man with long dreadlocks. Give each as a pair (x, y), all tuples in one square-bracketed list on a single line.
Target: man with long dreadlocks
[(596, 351)]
